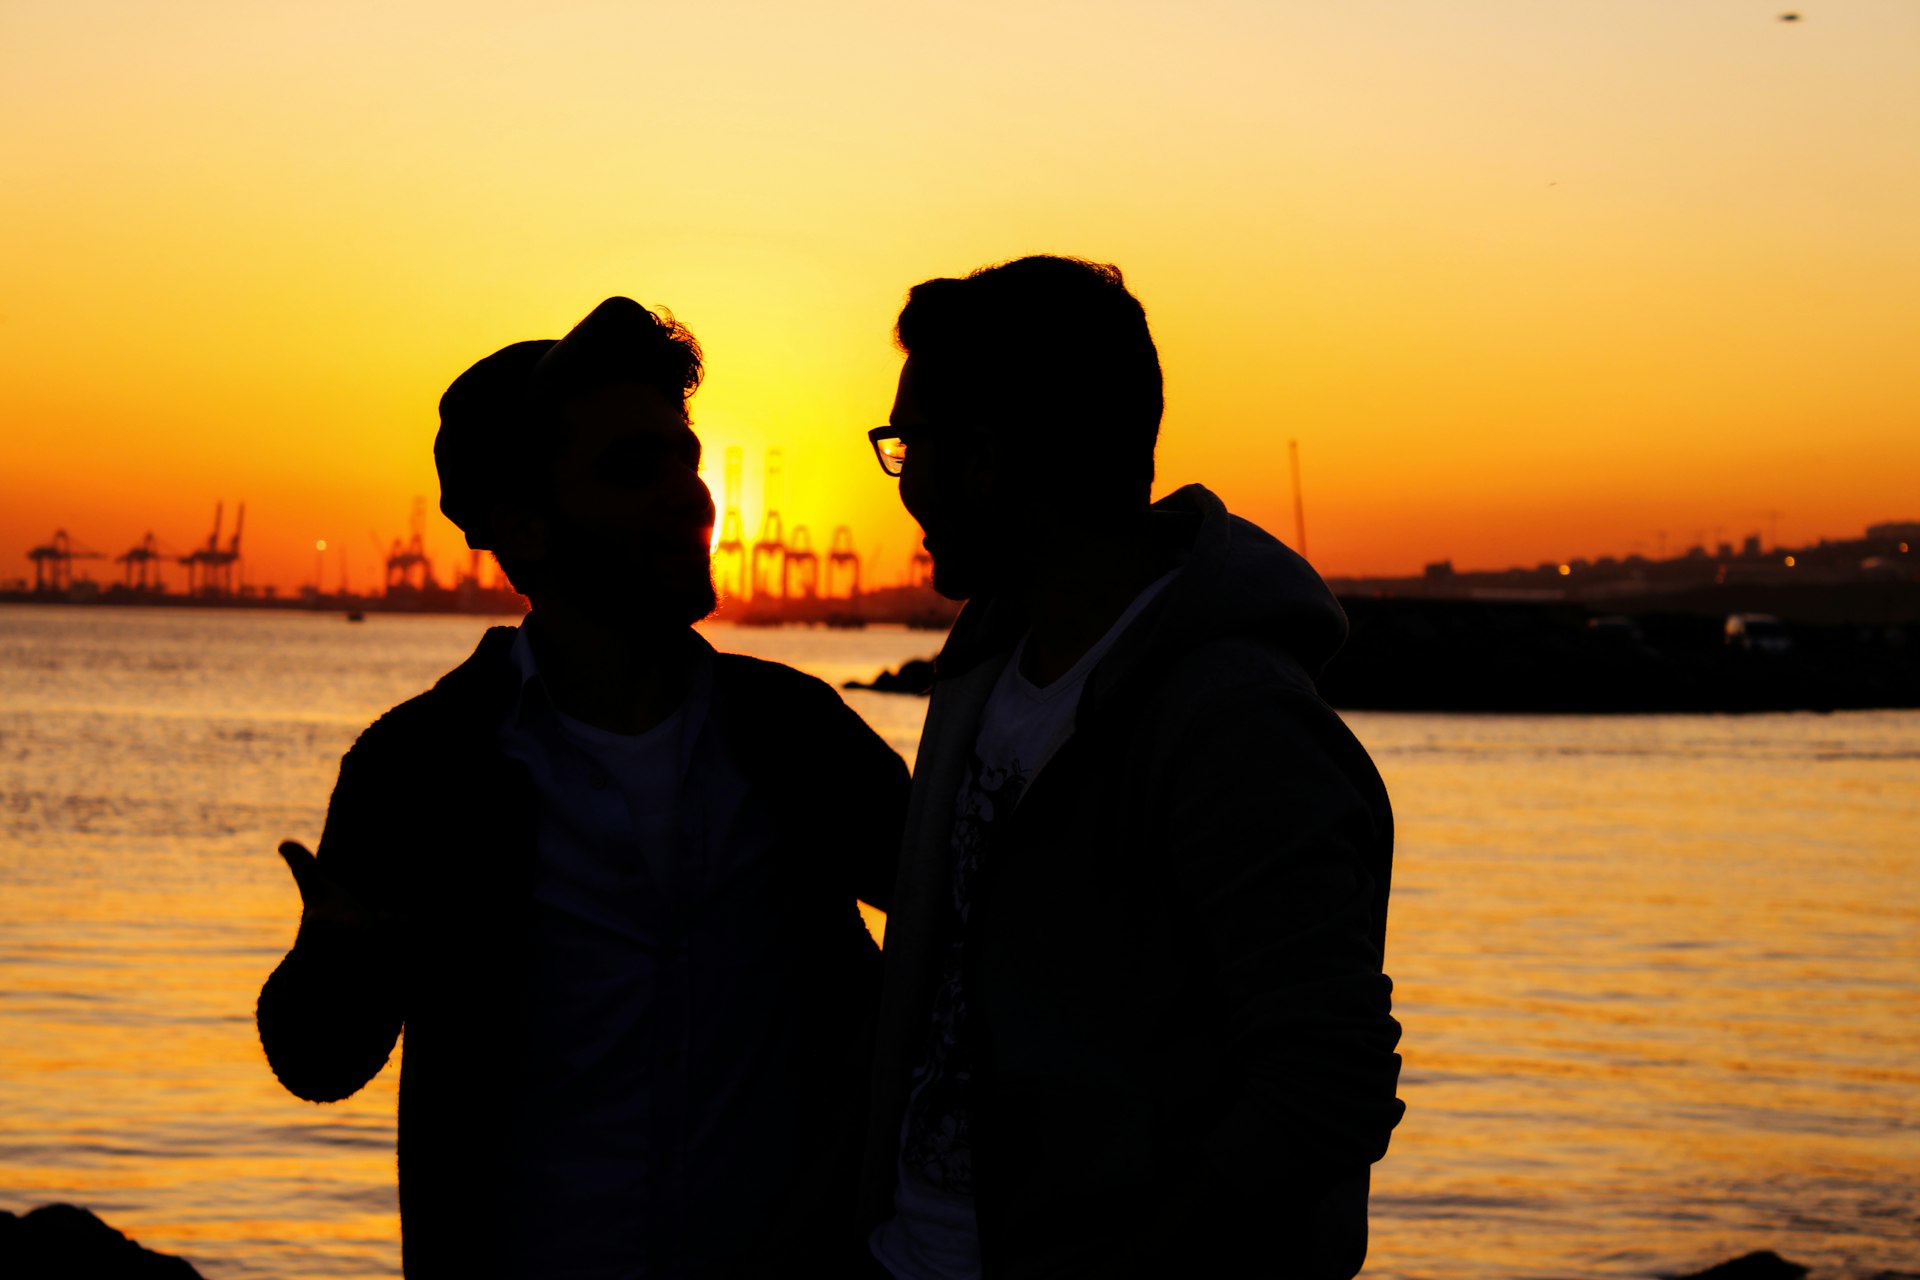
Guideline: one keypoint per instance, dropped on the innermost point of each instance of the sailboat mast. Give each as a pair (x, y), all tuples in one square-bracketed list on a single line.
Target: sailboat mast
[(1299, 508)]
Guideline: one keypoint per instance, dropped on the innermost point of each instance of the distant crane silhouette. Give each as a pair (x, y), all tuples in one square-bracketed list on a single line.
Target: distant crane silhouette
[(143, 565), (802, 564), (210, 569), (920, 569), (730, 552), (408, 568), (53, 563), (197, 559), (767, 563), (841, 555)]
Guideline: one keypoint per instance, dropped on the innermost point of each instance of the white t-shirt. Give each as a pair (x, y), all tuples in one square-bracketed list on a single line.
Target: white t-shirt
[(608, 809), (933, 1234)]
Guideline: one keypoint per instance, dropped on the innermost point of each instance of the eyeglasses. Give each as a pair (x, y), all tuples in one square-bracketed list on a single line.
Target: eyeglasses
[(890, 446), (890, 442)]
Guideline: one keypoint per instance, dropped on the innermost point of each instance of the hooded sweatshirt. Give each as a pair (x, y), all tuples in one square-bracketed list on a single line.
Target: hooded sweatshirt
[(1182, 1044)]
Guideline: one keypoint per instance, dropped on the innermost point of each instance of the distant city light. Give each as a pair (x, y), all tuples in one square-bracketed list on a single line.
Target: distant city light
[(1903, 548), (320, 545), (1565, 569), (1789, 562)]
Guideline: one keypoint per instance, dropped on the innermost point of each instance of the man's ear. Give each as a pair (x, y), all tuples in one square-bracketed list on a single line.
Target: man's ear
[(520, 533)]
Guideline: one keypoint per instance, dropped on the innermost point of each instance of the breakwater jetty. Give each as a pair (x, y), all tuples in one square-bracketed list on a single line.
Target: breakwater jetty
[(1519, 656)]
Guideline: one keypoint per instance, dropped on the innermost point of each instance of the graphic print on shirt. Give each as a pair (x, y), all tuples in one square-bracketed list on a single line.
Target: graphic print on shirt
[(938, 1144)]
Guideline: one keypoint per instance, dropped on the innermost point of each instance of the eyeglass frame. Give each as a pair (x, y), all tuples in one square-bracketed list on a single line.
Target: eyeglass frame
[(889, 432), (920, 431)]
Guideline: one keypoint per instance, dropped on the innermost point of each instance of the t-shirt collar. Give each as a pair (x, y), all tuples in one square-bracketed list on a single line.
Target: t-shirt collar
[(532, 686)]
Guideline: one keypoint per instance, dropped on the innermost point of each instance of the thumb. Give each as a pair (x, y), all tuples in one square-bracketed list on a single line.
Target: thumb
[(324, 901), (300, 861)]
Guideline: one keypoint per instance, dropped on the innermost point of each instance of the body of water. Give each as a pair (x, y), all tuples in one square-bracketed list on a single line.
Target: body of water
[(1660, 976)]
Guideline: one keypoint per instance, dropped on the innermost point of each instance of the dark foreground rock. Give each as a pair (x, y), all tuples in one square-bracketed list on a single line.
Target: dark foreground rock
[(1768, 1265), (65, 1242), (1762, 1265), (914, 676)]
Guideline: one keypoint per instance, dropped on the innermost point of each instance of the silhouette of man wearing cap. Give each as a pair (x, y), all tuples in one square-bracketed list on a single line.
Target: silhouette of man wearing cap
[(603, 877)]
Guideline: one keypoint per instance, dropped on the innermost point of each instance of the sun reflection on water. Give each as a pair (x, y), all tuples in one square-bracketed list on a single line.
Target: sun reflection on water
[(1660, 977)]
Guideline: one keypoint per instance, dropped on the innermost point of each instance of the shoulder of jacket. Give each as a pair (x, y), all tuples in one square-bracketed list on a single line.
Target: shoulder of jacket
[(1230, 666), (792, 730), (448, 711), (761, 679), (1236, 680), (403, 730)]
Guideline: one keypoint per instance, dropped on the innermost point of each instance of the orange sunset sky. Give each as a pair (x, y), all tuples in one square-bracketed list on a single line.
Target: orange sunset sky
[(1526, 279)]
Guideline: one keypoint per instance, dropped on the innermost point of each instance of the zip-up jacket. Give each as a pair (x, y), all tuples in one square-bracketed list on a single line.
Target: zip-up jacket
[(1184, 1052)]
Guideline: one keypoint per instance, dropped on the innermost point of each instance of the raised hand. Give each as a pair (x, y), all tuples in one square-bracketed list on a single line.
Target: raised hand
[(326, 905), (331, 1012)]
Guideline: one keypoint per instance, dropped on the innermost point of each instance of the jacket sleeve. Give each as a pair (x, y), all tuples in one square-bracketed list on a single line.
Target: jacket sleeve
[(874, 780), (1281, 843), (330, 1014)]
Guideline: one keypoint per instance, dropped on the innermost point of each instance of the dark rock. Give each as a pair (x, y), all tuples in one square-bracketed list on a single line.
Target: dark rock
[(1762, 1265), (914, 676), (65, 1242)]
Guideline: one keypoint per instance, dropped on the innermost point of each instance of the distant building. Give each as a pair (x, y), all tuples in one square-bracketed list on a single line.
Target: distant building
[(1894, 531), (1439, 571)]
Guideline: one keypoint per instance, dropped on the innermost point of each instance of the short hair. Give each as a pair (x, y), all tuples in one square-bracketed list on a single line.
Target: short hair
[(499, 422), (1051, 344)]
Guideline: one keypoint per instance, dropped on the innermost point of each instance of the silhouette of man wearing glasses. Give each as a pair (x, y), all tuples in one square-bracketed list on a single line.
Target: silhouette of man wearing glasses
[(603, 876), (1134, 1021)]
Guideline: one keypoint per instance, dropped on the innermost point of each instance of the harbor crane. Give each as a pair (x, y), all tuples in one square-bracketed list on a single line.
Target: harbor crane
[(730, 552), (53, 563), (210, 569), (408, 568), (143, 565), (802, 564), (767, 562), (841, 556)]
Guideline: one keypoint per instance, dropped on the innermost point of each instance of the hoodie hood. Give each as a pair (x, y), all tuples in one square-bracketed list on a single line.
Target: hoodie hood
[(1237, 582)]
